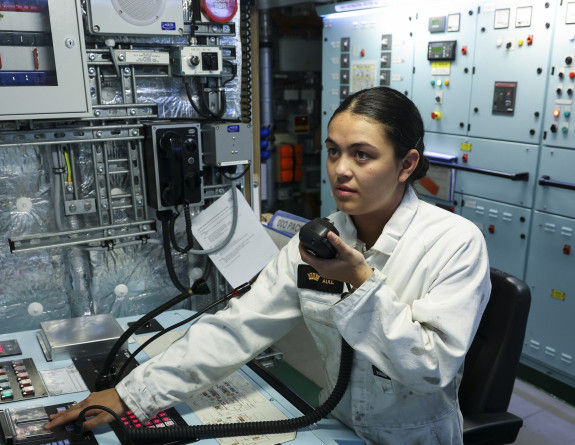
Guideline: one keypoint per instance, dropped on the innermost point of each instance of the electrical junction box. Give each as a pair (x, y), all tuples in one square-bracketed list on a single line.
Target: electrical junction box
[(174, 165), (227, 144), (197, 61), (78, 337), (141, 17)]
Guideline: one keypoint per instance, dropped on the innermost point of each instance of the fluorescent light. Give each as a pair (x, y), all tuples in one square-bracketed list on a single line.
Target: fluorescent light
[(354, 6)]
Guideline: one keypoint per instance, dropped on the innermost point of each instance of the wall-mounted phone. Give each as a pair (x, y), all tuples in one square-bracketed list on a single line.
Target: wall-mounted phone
[(174, 165)]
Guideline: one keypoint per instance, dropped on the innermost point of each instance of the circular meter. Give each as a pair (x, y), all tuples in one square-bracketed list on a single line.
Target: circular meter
[(220, 11)]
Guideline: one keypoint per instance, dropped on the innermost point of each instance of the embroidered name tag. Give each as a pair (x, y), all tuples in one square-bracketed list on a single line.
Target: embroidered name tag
[(378, 373), (308, 278)]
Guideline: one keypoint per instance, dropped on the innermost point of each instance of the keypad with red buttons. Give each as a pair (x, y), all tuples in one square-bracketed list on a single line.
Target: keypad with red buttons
[(161, 420)]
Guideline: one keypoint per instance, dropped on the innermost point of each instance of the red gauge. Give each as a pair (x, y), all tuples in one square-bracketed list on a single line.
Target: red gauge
[(220, 11)]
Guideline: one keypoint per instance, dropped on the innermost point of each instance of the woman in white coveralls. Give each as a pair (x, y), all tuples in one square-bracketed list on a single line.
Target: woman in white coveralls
[(419, 280)]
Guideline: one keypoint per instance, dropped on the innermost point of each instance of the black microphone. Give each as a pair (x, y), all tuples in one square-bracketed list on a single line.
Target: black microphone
[(313, 236)]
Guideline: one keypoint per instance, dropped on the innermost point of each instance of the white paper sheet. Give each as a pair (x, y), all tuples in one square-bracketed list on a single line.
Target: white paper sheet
[(249, 250), (65, 380), (235, 400)]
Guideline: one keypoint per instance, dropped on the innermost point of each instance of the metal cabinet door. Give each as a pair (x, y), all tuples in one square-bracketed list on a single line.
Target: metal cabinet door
[(550, 274)]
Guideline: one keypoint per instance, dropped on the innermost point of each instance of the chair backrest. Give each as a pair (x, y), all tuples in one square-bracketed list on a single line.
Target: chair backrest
[(491, 362)]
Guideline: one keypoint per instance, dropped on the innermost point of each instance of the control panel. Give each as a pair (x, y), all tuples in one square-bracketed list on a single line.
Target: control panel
[(247, 395), (444, 50), (558, 128), (26, 426), (443, 65), (516, 40), (494, 83), (361, 51), (197, 60), (19, 380)]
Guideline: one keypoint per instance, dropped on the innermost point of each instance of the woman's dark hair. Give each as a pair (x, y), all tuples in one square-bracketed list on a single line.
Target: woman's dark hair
[(399, 118)]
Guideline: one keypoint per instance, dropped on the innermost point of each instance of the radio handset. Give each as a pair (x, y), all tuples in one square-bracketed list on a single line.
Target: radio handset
[(313, 236)]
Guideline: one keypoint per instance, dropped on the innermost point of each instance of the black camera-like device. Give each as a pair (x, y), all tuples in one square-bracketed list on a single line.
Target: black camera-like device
[(313, 236)]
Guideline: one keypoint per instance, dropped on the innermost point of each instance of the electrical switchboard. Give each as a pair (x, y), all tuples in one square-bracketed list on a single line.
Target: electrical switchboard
[(548, 340), (511, 62), (362, 49), (559, 130), (443, 65), (494, 83), (501, 224)]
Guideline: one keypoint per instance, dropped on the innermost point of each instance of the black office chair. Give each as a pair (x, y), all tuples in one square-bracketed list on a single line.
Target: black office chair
[(491, 364)]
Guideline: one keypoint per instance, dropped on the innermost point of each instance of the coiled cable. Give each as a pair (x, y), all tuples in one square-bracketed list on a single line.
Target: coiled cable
[(194, 432)]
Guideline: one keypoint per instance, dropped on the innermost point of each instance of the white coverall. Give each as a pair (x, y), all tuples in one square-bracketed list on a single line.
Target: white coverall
[(410, 325)]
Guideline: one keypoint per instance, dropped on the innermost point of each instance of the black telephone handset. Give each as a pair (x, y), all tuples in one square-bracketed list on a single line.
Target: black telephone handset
[(313, 236)]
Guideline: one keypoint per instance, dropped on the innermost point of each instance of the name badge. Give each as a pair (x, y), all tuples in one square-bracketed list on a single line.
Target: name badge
[(308, 278)]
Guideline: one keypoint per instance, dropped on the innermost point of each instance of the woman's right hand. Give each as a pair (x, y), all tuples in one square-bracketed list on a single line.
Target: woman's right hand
[(94, 417), (348, 266)]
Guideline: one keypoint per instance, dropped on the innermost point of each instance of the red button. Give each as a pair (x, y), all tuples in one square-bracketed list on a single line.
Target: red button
[(362, 53), (572, 74), (464, 50), (491, 228), (530, 39), (567, 249), (464, 157)]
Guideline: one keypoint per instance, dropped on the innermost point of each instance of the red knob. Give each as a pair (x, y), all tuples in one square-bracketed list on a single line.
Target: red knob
[(464, 50), (436, 115)]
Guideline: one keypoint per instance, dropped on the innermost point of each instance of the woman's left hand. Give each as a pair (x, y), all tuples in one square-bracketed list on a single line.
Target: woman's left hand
[(348, 266)]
